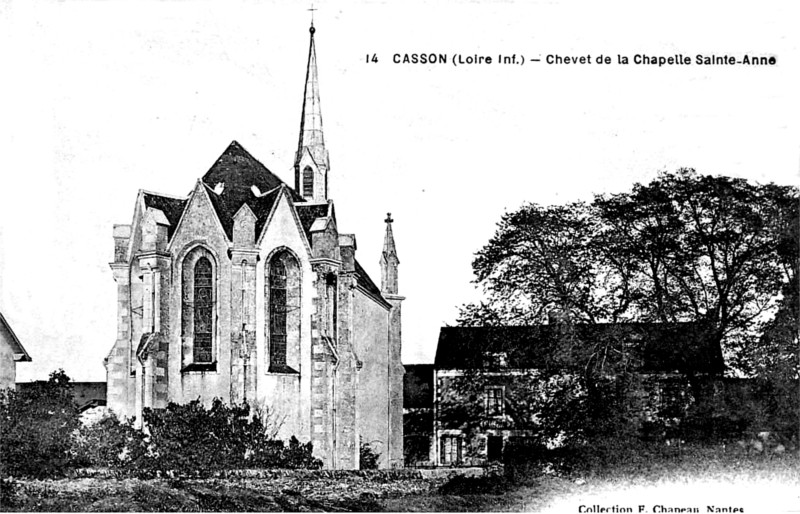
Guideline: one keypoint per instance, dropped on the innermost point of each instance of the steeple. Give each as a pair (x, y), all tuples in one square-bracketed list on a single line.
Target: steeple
[(311, 161), (389, 260)]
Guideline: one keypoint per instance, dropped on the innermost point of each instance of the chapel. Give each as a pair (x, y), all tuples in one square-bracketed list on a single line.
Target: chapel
[(246, 290)]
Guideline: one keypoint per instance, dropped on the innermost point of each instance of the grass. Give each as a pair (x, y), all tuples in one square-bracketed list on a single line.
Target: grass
[(697, 478)]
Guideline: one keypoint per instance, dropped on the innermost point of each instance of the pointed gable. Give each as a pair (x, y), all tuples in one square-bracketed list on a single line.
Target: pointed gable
[(8, 335), (262, 206), (236, 172)]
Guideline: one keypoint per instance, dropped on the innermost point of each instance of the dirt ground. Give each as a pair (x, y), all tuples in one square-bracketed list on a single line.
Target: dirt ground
[(767, 486)]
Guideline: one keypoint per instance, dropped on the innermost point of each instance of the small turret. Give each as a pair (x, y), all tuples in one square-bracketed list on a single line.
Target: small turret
[(389, 260)]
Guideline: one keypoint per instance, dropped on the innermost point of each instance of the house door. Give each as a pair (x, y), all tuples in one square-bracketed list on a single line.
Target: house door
[(494, 448)]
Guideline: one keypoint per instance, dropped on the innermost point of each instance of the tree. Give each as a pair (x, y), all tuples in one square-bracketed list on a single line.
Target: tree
[(541, 260), (685, 247), (717, 251), (704, 249)]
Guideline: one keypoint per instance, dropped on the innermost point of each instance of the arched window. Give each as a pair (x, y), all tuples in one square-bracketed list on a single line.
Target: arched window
[(198, 310), (283, 335), (308, 182), (203, 310)]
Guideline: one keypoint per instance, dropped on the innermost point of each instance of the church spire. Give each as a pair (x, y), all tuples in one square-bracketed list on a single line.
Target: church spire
[(311, 161), (389, 260)]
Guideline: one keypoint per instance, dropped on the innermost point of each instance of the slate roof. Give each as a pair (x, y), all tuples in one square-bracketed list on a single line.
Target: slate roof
[(362, 278), (308, 213), (171, 207), (418, 386), (20, 355), (239, 172), (684, 347)]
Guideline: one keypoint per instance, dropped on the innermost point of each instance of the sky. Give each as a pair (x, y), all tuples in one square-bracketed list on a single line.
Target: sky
[(102, 98)]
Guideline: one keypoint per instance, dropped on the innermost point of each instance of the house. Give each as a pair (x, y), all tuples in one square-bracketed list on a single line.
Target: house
[(492, 374), (247, 290), (11, 352), (418, 414)]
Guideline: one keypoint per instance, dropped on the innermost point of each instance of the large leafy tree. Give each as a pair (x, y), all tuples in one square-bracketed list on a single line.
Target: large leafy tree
[(542, 261), (719, 251), (705, 249), (685, 247)]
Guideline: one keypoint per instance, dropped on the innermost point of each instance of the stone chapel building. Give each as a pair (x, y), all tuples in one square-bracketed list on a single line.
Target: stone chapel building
[(246, 290)]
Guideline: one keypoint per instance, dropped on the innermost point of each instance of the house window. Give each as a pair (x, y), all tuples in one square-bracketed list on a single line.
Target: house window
[(494, 401), (451, 449), (203, 310), (308, 182), (495, 360), (284, 313)]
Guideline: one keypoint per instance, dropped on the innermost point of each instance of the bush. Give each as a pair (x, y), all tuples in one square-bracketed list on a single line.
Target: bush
[(8, 493), (487, 484), (192, 438), (42, 437), (367, 458), (37, 429), (110, 443), (299, 456)]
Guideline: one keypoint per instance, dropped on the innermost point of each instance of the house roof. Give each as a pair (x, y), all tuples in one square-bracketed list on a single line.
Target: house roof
[(6, 334), (237, 171), (654, 347), (85, 395), (418, 386)]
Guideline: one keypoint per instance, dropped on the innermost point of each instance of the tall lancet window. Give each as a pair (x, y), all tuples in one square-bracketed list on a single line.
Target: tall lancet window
[(198, 310), (308, 182), (203, 310), (283, 304)]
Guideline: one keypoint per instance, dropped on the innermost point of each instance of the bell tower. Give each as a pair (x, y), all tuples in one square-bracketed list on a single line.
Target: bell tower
[(311, 160)]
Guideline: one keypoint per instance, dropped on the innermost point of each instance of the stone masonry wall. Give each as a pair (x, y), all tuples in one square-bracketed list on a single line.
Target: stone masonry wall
[(347, 447), (118, 363), (323, 362)]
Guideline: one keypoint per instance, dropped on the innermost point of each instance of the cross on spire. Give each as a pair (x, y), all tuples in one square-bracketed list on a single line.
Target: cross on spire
[(311, 160), (312, 16), (389, 260)]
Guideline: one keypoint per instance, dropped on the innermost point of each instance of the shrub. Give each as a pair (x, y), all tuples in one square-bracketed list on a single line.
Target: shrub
[(522, 458), (487, 484), (37, 428), (300, 456), (110, 443), (367, 458), (192, 438), (8, 493)]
